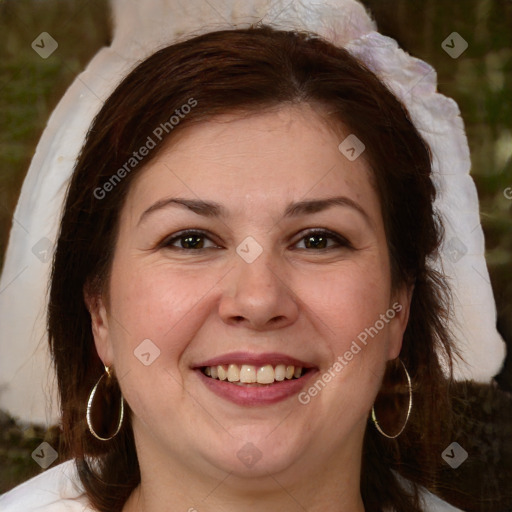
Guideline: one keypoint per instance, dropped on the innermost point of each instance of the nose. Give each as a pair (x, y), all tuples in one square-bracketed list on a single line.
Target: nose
[(259, 294)]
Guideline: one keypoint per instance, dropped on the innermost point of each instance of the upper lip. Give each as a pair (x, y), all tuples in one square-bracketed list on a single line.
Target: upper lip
[(272, 358)]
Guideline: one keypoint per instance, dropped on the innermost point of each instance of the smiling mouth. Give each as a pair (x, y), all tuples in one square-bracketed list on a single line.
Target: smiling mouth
[(250, 375)]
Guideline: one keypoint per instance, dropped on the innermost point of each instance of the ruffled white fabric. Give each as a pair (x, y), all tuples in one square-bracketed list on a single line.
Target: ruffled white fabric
[(140, 28), (58, 489)]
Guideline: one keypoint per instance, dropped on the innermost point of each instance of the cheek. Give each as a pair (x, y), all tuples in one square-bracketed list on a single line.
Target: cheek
[(158, 303), (349, 306), (153, 318), (349, 300)]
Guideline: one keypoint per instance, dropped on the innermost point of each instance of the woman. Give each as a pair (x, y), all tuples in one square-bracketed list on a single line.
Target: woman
[(251, 369)]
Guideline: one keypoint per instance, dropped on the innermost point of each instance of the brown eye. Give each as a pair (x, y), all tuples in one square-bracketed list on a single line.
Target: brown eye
[(189, 240), (318, 239), (195, 240)]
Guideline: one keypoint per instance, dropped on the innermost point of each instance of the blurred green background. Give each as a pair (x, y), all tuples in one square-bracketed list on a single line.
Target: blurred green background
[(480, 80)]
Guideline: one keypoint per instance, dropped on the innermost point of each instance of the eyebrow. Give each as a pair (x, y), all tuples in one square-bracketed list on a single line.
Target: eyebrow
[(215, 210)]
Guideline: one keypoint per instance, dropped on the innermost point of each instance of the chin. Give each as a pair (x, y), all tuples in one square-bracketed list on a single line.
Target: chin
[(258, 453)]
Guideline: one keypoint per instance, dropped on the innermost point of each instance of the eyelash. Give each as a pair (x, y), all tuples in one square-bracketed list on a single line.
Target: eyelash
[(340, 240)]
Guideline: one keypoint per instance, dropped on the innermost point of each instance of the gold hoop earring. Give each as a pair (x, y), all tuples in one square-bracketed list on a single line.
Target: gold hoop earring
[(374, 417), (106, 403)]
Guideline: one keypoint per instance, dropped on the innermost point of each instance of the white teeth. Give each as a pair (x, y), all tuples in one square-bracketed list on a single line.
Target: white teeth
[(265, 374), (233, 373), (249, 374), (222, 373), (280, 372)]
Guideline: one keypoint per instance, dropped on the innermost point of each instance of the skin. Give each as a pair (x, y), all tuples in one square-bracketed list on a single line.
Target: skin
[(195, 304)]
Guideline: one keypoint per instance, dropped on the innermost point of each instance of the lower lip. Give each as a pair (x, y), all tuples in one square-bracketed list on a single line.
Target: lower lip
[(256, 395)]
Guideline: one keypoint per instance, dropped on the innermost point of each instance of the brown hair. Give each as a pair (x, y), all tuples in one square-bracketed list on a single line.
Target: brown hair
[(249, 70)]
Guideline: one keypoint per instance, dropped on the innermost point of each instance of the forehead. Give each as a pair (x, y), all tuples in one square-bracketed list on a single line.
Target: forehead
[(279, 155)]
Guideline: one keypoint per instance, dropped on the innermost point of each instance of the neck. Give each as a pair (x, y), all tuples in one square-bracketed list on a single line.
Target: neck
[(138, 502), (330, 485), (230, 498)]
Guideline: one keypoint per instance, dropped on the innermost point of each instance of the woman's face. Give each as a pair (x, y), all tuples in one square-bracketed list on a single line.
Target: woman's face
[(253, 293)]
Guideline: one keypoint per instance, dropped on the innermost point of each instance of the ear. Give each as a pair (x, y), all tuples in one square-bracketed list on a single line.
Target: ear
[(99, 323), (401, 305)]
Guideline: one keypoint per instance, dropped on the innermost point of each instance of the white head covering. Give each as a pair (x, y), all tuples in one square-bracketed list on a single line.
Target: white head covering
[(141, 27)]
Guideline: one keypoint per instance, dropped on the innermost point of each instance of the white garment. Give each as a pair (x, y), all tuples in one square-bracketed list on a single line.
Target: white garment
[(59, 490)]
